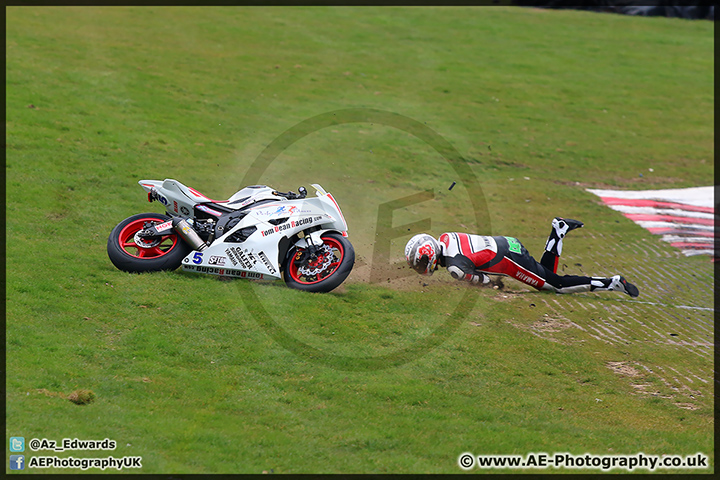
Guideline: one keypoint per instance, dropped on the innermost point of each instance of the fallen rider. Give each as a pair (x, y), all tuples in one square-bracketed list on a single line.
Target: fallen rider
[(473, 257)]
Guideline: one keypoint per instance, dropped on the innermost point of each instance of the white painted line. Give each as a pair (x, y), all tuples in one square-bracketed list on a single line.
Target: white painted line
[(661, 211), (648, 224), (666, 305), (678, 214), (690, 253), (698, 196), (678, 238)]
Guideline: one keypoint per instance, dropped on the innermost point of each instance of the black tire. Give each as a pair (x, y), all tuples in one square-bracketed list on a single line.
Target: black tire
[(330, 276), (166, 253)]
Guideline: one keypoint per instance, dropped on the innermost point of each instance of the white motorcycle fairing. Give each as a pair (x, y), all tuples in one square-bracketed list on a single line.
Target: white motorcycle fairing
[(174, 195), (256, 246)]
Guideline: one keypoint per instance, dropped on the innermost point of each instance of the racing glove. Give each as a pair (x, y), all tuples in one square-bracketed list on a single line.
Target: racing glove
[(475, 278)]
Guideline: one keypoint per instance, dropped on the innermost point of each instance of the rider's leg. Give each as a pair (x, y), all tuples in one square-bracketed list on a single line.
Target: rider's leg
[(575, 284), (553, 246)]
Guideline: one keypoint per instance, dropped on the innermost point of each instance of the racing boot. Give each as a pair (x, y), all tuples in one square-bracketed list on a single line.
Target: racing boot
[(571, 224), (560, 228), (615, 284)]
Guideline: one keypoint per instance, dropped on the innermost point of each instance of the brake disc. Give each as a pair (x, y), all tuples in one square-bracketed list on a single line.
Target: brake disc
[(326, 258), (143, 242)]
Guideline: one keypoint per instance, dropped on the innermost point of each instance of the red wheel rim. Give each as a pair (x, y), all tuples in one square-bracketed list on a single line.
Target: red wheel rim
[(338, 255), (127, 241)]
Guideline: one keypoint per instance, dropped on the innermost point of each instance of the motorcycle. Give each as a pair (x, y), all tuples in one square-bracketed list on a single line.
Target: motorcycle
[(258, 233)]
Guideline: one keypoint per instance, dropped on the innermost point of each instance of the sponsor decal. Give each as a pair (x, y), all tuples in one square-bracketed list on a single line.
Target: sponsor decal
[(285, 209), (175, 206), (184, 210), (290, 224), (223, 271), (426, 250), (244, 258), (267, 263), (230, 252), (216, 260), (280, 211), (445, 240), (163, 226), (514, 245), (209, 210), (525, 278), (259, 276)]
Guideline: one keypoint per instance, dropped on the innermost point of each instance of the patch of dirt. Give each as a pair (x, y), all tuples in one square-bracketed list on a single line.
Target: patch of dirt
[(505, 296), (78, 397), (48, 393), (622, 368), (505, 163), (56, 216), (549, 324), (670, 392), (82, 397), (396, 276), (497, 282), (546, 326), (641, 389), (400, 277)]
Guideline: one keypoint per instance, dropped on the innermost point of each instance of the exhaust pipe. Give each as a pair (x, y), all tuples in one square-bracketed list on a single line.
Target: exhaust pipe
[(187, 233)]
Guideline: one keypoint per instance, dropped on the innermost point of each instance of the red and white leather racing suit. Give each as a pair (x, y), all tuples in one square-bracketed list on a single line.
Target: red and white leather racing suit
[(470, 257)]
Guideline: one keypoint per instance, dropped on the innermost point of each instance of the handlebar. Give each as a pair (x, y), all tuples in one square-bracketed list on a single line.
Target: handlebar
[(302, 193)]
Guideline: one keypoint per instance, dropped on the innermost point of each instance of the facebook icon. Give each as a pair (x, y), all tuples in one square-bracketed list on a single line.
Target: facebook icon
[(17, 462)]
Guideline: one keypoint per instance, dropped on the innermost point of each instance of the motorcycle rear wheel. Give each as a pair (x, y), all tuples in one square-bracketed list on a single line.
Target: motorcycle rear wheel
[(162, 253), (327, 271)]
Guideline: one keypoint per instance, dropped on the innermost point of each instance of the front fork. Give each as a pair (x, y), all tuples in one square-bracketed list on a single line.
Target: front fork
[(306, 254)]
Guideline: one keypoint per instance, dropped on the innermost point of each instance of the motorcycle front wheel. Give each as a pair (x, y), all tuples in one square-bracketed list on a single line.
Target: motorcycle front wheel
[(136, 255), (326, 271)]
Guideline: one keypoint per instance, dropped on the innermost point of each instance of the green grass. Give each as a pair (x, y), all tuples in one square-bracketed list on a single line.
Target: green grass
[(198, 375)]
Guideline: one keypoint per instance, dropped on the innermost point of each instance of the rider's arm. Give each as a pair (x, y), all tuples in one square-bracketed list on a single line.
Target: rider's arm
[(462, 268)]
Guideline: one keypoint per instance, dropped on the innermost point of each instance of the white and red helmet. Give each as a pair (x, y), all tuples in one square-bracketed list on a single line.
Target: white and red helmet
[(422, 253)]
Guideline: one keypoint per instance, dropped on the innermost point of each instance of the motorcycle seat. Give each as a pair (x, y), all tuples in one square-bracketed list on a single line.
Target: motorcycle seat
[(195, 195)]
